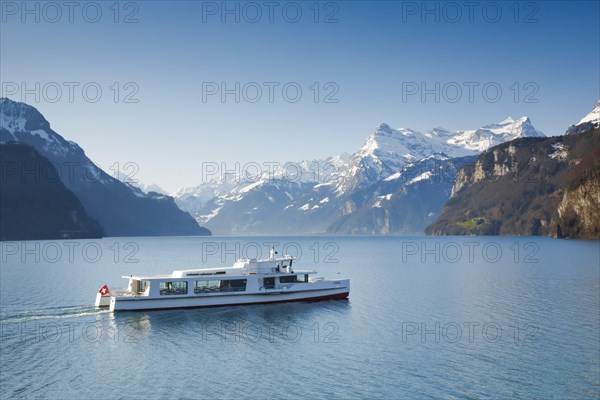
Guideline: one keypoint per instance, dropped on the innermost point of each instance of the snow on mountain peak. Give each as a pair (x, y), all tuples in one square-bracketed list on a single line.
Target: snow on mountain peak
[(22, 122), (393, 146), (388, 150), (507, 120), (593, 117), (407, 144), (383, 127), (514, 128), (20, 117), (437, 132), (491, 135)]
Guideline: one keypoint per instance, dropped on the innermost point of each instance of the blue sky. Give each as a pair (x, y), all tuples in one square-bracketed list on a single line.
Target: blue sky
[(543, 56)]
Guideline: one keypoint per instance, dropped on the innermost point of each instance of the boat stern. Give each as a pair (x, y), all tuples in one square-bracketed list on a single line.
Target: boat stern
[(102, 300)]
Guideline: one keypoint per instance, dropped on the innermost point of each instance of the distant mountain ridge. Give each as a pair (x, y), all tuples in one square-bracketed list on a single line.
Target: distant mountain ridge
[(121, 210), (146, 188), (397, 182)]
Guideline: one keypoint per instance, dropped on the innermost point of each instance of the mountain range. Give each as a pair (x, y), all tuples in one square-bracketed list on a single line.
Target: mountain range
[(120, 209), (397, 182)]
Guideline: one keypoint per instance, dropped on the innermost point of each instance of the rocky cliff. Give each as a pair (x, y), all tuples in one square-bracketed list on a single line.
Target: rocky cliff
[(529, 186)]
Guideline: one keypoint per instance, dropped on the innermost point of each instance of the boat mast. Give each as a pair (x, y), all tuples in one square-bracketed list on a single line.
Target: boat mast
[(272, 254)]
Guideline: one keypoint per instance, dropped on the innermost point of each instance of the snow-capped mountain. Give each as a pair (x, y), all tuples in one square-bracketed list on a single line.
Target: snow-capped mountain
[(492, 135), (153, 187), (20, 122), (388, 150), (122, 210), (398, 146), (593, 117), (128, 180), (358, 193), (591, 120), (204, 201), (405, 202)]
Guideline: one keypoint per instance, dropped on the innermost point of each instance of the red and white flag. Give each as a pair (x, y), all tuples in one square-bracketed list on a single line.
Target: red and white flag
[(103, 290)]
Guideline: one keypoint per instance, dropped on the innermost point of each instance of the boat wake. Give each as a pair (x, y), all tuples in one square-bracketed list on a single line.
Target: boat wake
[(20, 316)]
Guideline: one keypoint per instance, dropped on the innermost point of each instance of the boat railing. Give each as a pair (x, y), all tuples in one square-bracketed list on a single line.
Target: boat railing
[(218, 290), (125, 293)]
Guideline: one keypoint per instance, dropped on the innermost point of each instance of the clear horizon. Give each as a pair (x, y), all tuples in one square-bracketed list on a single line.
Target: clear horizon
[(169, 86)]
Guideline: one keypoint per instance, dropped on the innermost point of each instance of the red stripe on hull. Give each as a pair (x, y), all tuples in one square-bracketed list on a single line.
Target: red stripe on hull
[(338, 296)]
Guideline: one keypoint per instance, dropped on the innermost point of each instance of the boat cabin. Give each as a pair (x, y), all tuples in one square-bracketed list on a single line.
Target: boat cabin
[(246, 275)]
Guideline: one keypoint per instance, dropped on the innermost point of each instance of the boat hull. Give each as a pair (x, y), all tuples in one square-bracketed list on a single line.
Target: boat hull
[(141, 303)]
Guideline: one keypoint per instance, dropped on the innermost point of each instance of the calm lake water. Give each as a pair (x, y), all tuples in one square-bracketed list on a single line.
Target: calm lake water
[(427, 318)]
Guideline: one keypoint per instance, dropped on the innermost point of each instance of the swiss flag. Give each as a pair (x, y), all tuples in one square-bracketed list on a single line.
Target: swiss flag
[(104, 290)]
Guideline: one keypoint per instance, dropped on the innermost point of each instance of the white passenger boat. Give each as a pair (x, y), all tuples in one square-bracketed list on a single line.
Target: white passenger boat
[(248, 281)]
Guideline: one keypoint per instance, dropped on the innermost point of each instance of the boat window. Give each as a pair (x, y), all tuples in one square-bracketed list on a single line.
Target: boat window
[(287, 279), (177, 287), (218, 286), (302, 278), (206, 286), (286, 263), (269, 283), (233, 285), (144, 286)]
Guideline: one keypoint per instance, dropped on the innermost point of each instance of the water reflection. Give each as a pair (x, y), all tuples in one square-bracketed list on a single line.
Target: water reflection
[(285, 321)]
